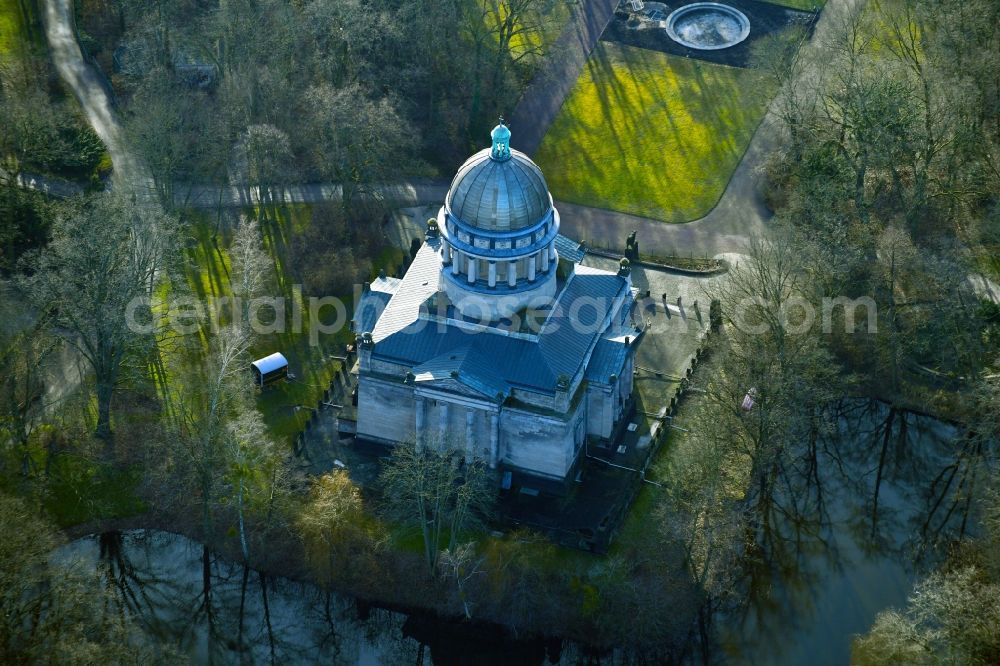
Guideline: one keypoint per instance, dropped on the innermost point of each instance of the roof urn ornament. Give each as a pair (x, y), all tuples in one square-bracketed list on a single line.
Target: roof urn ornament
[(501, 142)]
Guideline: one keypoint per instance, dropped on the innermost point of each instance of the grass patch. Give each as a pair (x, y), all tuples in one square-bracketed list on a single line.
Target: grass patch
[(651, 134), (804, 5), (285, 406), (80, 490), (16, 27)]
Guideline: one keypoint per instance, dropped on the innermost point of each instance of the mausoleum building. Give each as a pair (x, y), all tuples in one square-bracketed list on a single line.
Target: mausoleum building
[(497, 342)]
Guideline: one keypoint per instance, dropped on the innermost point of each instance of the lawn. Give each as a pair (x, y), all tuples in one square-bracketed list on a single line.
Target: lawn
[(285, 406), (208, 277), (804, 5), (537, 31), (15, 27), (651, 134)]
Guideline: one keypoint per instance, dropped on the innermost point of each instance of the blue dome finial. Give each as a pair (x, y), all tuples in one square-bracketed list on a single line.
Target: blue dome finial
[(501, 142)]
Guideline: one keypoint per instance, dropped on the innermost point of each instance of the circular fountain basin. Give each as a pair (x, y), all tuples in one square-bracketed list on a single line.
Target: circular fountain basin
[(708, 26)]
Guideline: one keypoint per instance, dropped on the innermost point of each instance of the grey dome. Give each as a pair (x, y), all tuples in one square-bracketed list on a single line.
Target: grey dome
[(499, 194)]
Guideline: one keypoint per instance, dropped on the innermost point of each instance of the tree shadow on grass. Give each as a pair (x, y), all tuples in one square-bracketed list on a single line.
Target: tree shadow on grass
[(651, 134)]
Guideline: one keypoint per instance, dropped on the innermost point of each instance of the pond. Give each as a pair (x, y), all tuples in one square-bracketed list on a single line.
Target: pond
[(827, 573), (220, 612)]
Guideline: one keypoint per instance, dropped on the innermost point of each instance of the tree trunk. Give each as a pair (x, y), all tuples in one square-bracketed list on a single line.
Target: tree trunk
[(104, 391), (243, 597), (267, 616), (881, 465), (243, 532)]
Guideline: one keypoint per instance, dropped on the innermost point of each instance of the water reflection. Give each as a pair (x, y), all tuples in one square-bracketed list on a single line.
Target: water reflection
[(218, 612), (866, 505), (866, 508)]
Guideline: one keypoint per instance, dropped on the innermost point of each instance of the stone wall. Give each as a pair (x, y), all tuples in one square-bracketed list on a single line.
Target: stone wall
[(455, 429), (600, 412), (539, 444), (385, 410)]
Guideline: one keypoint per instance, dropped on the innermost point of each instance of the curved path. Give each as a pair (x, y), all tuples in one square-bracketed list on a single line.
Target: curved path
[(725, 229), (87, 85), (738, 214)]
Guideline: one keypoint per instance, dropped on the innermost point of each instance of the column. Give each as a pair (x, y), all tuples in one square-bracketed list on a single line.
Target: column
[(545, 260), (470, 443), (552, 250), (531, 268), (419, 410), (445, 252), (473, 262), (456, 262), (442, 425), (512, 274), (494, 439), (493, 274)]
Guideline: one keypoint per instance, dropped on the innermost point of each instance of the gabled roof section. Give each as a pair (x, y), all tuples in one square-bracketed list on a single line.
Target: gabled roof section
[(569, 249), (419, 284), (610, 352), (467, 366), (372, 303), (517, 360), (405, 337), (578, 318)]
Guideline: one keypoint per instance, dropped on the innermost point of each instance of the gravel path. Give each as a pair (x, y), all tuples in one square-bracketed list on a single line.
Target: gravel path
[(88, 87), (738, 213)]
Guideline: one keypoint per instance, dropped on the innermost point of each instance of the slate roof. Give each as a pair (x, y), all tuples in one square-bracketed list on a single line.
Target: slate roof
[(405, 336), (609, 355), (568, 333), (419, 284), (569, 249), (466, 365), (372, 303)]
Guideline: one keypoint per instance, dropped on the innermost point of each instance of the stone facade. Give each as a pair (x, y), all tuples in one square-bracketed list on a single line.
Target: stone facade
[(446, 359)]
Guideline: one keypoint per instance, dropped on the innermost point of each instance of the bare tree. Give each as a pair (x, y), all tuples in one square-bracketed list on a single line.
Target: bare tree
[(434, 492), (253, 269), (56, 612), (208, 400), (356, 141), (22, 389), (254, 464), (775, 357), (952, 617), (462, 564), (227, 451), (505, 34), (96, 277), (263, 162), (169, 127)]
